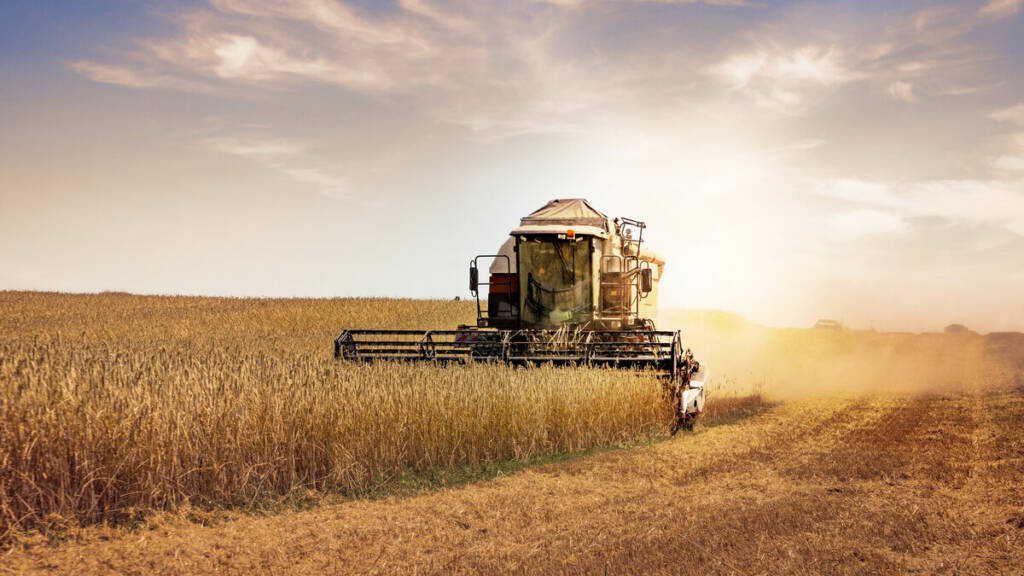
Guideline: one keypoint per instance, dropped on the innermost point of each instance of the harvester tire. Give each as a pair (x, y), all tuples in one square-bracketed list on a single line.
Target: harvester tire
[(684, 422)]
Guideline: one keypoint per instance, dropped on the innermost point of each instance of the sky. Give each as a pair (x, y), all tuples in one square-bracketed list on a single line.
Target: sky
[(856, 160)]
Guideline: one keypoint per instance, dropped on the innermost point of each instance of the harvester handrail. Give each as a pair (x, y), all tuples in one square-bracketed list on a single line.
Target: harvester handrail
[(474, 266)]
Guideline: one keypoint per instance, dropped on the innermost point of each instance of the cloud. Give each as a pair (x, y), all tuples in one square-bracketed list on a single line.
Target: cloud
[(1007, 163), (935, 44), (246, 57), (522, 68), (803, 145), (287, 157), (330, 16), (134, 78), (776, 77), (1000, 8), (280, 43), (858, 224), (262, 149), (431, 56), (939, 24), (454, 22), (917, 66), (927, 48), (903, 91), (328, 184), (574, 3), (811, 64), (1014, 114), (967, 90), (106, 74), (1013, 159), (990, 202), (710, 2)]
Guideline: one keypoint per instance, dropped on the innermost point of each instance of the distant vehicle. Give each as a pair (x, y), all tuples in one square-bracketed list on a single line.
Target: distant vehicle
[(956, 329), (826, 324)]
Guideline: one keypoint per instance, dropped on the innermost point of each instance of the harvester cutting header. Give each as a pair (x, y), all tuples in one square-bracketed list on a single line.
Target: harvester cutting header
[(570, 286)]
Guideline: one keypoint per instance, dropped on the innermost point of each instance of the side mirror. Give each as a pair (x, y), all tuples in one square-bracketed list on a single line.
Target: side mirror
[(474, 279), (646, 280)]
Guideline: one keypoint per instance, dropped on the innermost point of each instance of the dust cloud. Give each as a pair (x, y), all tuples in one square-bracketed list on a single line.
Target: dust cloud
[(789, 363)]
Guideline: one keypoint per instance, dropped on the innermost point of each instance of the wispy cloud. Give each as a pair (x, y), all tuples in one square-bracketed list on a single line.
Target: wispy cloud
[(331, 16), (810, 64), (740, 3), (710, 2), (135, 77), (924, 51), (287, 157), (265, 150), (1014, 114), (450, 21), (991, 202), (857, 224), (968, 90), (932, 50), (518, 77), (300, 40), (1001, 8), (903, 91), (521, 76), (107, 74), (1012, 160), (245, 57), (778, 78)]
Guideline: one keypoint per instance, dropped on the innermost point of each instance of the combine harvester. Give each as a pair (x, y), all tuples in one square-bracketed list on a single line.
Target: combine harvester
[(569, 287)]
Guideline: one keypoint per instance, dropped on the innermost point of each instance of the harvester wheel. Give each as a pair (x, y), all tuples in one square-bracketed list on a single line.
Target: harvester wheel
[(688, 422), (683, 422)]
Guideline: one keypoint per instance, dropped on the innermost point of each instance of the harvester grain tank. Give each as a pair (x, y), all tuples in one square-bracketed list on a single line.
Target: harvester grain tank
[(570, 286)]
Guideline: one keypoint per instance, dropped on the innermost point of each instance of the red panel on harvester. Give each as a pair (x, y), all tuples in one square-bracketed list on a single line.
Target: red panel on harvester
[(503, 301), (504, 284)]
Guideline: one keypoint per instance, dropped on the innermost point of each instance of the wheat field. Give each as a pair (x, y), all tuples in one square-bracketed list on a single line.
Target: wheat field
[(112, 405), (879, 453)]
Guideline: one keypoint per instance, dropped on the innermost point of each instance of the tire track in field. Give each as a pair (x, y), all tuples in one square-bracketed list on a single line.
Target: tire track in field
[(919, 437), (988, 507), (743, 495), (848, 501)]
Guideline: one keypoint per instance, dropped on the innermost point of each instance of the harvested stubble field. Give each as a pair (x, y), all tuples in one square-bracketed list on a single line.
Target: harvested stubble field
[(888, 453)]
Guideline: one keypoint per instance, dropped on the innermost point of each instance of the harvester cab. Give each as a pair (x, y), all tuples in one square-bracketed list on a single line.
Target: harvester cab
[(570, 286), (569, 265)]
